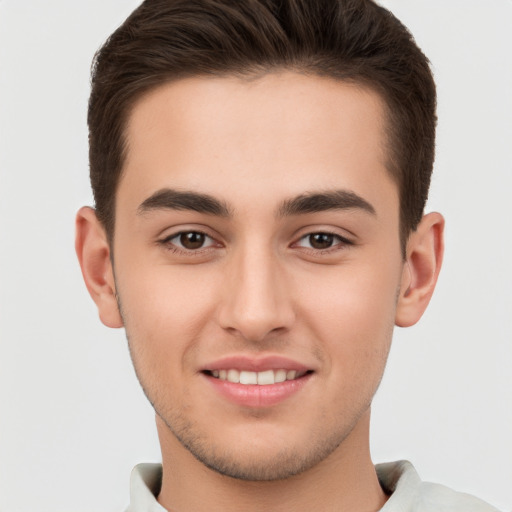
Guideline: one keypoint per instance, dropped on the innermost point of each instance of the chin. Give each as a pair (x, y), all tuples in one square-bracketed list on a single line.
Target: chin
[(277, 466), (265, 459)]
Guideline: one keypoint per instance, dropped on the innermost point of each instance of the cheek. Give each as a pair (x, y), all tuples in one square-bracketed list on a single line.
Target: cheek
[(164, 310), (352, 313)]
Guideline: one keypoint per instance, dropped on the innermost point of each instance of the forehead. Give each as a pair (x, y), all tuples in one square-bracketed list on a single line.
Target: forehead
[(285, 131)]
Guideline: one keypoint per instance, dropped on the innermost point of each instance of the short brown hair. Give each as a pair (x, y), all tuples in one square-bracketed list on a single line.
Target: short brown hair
[(349, 40)]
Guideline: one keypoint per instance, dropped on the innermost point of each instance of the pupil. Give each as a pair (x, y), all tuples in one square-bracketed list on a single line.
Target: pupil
[(192, 240), (321, 240)]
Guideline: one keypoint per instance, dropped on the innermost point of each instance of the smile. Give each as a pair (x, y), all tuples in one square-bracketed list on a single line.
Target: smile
[(261, 378), (258, 381)]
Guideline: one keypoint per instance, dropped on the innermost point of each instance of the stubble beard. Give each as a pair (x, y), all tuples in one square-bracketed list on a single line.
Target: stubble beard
[(281, 465)]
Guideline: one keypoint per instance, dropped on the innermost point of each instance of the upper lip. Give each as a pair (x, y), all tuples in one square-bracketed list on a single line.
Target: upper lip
[(256, 364)]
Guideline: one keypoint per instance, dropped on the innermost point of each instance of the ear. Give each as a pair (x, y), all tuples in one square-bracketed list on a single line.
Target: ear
[(424, 255), (93, 251)]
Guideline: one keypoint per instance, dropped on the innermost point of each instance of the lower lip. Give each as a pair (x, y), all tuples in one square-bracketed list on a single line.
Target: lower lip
[(253, 395)]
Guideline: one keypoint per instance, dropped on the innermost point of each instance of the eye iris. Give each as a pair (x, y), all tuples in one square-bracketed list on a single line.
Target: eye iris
[(321, 240), (192, 240)]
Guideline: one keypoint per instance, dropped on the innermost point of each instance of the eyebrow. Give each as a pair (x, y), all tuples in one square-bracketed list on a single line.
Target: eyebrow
[(322, 201), (312, 202), (170, 199)]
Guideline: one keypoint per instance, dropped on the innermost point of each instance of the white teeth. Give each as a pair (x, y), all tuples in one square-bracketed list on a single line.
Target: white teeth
[(263, 378), (233, 376), (280, 376), (248, 377)]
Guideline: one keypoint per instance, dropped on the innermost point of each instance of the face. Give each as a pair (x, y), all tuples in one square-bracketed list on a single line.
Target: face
[(257, 263)]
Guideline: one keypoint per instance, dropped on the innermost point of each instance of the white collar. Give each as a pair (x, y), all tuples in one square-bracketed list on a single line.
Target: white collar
[(398, 479)]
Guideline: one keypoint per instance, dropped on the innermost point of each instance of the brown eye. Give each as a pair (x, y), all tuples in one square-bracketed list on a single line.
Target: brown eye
[(192, 240), (321, 240), (189, 241)]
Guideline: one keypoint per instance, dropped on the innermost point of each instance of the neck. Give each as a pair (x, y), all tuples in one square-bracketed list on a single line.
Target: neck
[(344, 481)]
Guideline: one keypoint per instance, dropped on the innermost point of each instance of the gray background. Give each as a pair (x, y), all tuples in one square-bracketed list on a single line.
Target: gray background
[(72, 418)]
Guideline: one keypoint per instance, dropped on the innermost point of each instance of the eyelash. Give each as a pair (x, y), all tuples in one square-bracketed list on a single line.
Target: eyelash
[(171, 246), (342, 243)]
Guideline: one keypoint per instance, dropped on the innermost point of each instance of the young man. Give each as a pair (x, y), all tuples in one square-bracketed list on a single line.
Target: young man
[(260, 171)]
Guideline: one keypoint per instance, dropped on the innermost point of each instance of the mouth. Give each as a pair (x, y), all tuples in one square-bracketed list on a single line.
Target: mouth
[(260, 378), (257, 382)]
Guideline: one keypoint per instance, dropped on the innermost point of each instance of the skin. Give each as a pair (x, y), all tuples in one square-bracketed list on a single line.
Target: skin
[(260, 284)]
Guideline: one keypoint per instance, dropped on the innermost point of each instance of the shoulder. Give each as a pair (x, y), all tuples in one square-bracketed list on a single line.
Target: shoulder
[(410, 494), (438, 497)]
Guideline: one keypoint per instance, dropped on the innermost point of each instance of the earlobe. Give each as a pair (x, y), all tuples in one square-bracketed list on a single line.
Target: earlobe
[(93, 251), (421, 269)]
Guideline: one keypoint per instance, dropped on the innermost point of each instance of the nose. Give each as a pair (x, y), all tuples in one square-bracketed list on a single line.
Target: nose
[(256, 298)]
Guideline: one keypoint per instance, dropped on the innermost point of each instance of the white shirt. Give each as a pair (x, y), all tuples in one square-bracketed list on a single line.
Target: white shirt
[(399, 479)]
